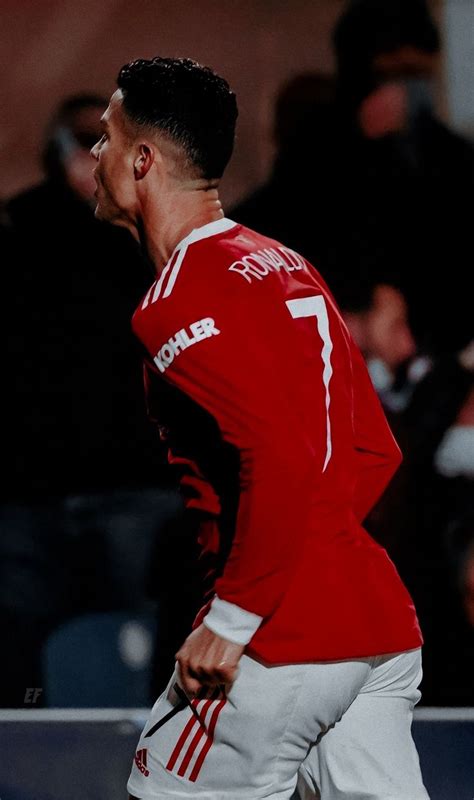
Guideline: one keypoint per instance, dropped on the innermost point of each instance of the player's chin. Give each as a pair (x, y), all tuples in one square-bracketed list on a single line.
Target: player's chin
[(101, 212)]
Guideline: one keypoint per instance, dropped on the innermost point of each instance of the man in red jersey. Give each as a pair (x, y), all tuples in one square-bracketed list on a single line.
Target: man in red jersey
[(305, 659)]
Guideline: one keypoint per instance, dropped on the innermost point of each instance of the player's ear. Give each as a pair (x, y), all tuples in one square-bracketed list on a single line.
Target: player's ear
[(144, 160)]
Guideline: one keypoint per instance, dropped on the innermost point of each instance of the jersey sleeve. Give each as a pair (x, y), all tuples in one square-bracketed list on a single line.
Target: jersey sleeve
[(377, 453), (227, 373)]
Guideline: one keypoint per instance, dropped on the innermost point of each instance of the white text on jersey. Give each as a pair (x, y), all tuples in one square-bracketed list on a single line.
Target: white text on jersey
[(175, 345), (263, 262)]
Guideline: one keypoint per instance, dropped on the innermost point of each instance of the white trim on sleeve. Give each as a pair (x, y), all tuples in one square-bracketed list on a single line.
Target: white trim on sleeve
[(231, 622)]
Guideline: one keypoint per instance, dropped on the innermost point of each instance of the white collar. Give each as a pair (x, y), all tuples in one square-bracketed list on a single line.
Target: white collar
[(211, 229)]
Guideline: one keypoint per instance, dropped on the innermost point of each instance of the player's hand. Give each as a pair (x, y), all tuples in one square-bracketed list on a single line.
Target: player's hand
[(206, 660)]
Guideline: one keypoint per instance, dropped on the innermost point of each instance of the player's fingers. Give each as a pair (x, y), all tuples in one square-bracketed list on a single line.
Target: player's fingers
[(211, 675), (187, 678), (207, 692), (225, 673), (190, 682)]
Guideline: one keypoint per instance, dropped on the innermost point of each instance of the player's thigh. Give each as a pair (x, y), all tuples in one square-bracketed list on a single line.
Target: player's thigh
[(251, 745), (370, 753), (221, 748)]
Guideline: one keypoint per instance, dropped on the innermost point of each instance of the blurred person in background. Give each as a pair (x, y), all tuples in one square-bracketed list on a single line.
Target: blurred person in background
[(406, 173), (381, 181), (82, 501), (436, 513), (424, 518), (377, 316), (303, 118), (378, 319)]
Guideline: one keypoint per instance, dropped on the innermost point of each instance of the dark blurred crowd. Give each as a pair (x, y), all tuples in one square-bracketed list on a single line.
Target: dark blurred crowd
[(373, 188), (84, 493)]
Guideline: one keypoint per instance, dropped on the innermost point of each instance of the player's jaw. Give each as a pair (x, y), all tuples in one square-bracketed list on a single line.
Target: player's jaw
[(112, 203), (97, 194), (106, 209), (102, 209)]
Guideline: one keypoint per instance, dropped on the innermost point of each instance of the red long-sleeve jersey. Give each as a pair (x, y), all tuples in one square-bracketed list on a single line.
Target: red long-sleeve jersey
[(267, 406)]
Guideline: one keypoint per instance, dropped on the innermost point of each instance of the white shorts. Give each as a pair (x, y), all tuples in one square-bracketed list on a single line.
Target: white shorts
[(342, 728)]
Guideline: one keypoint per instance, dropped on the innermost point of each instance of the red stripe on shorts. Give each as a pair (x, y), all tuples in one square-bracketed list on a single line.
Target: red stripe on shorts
[(208, 743), (180, 743), (196, 739)]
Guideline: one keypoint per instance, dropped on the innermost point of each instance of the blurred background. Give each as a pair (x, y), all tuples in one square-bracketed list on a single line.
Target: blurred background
[(355, 146), (58, 47)]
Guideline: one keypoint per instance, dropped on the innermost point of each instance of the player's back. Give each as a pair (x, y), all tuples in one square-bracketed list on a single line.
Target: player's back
[(301, 363), (331, 411), (304, 357), (273, 364)]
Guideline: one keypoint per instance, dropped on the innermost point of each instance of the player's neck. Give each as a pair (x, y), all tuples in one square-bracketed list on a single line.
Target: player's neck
[(169, 220)]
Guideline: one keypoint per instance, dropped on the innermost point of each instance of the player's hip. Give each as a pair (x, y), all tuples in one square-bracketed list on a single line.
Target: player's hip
[(250, 743)]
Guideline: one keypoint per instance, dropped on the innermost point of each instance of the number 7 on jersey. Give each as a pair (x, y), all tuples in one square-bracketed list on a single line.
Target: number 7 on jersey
[(315, 306)]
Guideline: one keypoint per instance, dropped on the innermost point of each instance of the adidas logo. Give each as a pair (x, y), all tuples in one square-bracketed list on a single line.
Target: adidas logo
[(140, 761)]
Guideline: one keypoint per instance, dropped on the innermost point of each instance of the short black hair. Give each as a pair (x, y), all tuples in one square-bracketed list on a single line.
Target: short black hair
[(188, 102)]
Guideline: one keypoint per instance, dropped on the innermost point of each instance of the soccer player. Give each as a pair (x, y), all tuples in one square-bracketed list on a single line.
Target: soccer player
[(305, 658)]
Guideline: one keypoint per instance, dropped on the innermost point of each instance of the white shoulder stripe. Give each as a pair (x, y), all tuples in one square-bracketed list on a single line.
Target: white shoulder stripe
[(147, 296), (160, 281), (174, 272), (204, 232), (171, 270)]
